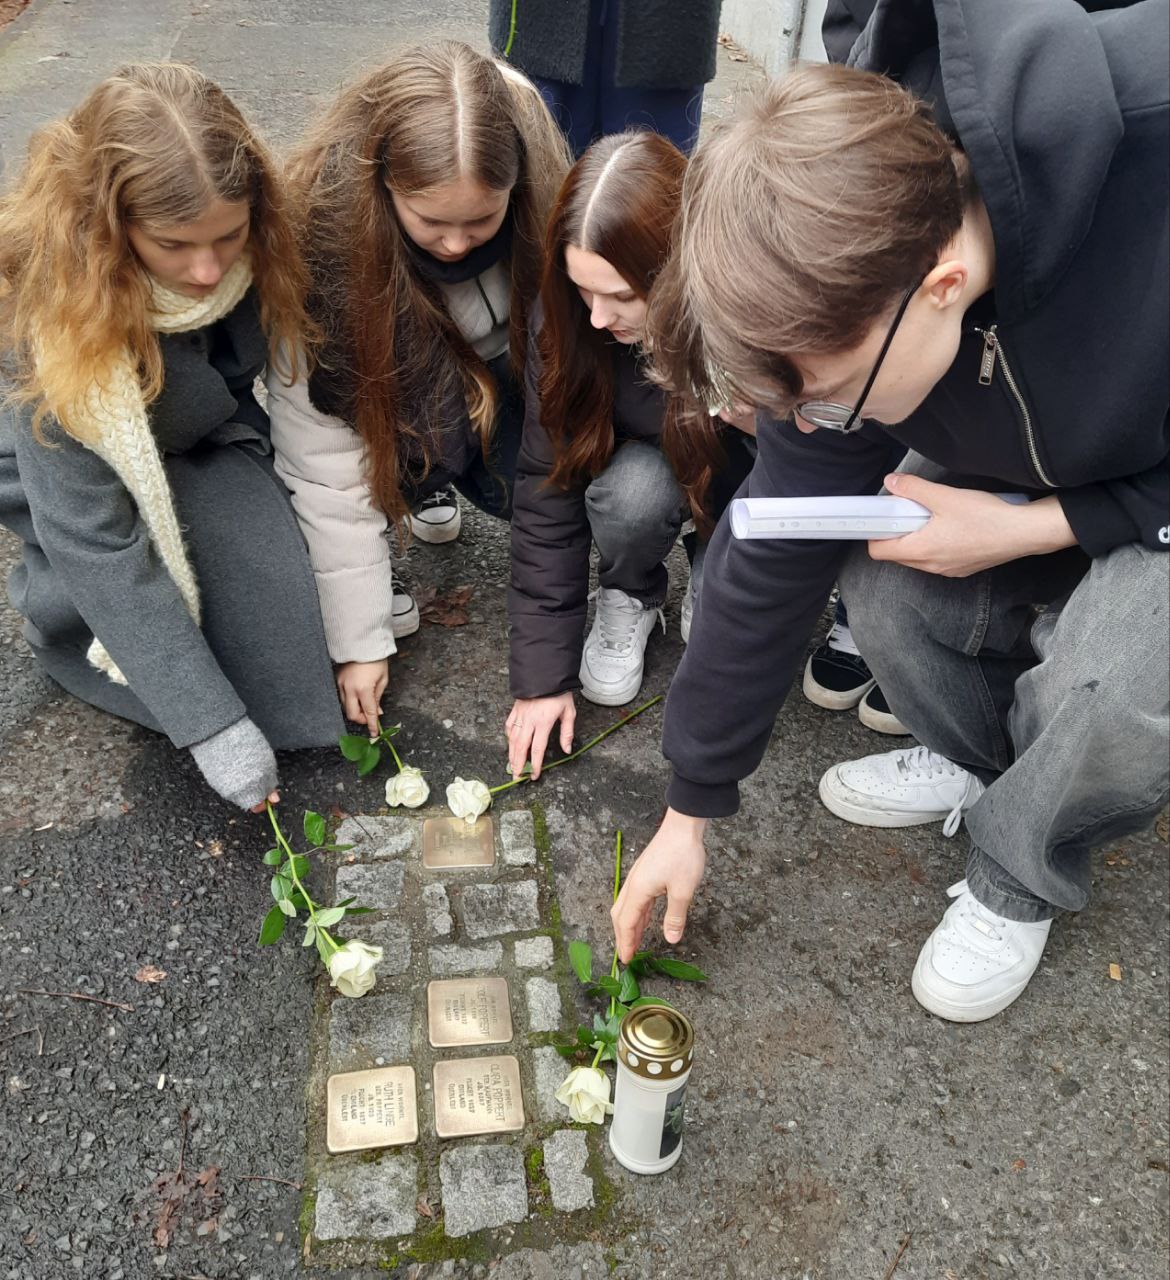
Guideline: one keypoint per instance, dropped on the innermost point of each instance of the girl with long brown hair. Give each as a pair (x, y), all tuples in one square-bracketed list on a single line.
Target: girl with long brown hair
[(426, 187), (607, 458), (147, 267)]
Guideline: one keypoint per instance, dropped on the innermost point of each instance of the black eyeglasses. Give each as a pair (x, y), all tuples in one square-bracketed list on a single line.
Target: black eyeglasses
[(827, 415)]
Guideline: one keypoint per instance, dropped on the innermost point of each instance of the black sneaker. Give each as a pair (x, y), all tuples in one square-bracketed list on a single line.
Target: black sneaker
[(874, 712), (836, 676), (437, 519)]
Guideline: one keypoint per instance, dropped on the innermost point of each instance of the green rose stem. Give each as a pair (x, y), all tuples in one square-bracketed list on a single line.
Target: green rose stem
[(613, 728), (617, 880), (292, 868)]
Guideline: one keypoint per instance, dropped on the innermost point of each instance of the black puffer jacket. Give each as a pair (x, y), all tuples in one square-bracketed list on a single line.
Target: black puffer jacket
[(1064, 117), (661, 44)]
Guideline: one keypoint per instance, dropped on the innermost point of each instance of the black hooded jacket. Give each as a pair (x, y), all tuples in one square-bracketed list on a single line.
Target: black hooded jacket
[(1063, 114)]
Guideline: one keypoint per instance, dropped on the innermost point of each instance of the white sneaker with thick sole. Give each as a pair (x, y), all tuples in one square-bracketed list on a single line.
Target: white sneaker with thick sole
[(404, 619), (436, 519), (976, 963), (615, 650), (686, 613), (900, 789)]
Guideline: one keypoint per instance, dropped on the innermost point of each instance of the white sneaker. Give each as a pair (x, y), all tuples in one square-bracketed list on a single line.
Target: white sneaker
[(437, 518), (976, 963), (614, 654), (404, 619), (900, 789), (686, 613)]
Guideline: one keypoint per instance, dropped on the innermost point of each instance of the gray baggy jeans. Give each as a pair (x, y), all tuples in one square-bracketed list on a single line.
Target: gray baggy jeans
[(1048, 678)]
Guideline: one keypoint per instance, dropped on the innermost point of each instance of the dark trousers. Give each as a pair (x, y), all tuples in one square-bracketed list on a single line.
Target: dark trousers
[(596, 107)]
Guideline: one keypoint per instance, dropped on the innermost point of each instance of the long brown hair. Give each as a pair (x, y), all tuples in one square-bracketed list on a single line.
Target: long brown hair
[(153, 145), (619, 201), (393, 356), (804, 218)]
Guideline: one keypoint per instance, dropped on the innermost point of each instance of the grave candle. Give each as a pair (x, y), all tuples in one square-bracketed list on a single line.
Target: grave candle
[(654, 1054)]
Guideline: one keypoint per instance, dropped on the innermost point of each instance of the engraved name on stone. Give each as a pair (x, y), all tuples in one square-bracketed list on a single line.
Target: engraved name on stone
[(452, 843), (478, 1095), (463, 1011), (376, 1108)]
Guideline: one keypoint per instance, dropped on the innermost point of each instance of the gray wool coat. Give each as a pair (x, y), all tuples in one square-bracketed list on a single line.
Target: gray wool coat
[(89, 567), (661, 44)]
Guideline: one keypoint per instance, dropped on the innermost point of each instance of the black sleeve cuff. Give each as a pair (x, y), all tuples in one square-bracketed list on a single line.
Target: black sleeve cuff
[(702, 799)]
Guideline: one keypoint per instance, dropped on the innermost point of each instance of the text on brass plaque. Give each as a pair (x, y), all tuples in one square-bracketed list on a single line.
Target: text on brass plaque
[(478, 1095), (454, 842), (468, 1011), (376, 1108)]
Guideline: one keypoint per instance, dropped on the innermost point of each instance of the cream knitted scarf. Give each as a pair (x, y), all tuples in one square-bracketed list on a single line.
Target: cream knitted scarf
[(116, 426)]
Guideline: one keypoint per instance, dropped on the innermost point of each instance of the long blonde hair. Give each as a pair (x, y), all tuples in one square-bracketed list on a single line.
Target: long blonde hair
[(392, 355), (153, 145)]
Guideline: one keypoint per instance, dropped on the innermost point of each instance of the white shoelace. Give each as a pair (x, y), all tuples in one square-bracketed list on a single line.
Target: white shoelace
[(617, 621), (976, 914), (919, 764), (840, 639)]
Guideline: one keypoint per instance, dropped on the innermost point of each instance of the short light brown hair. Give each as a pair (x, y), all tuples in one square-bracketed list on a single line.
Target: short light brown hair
[(830, 193)]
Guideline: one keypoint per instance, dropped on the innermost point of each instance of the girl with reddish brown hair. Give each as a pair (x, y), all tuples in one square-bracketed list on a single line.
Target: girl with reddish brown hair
[(425, 190), (603, 459)]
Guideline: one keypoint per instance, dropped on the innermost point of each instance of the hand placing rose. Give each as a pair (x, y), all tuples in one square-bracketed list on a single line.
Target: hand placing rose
[(467, 798), (585, 1092), (408, 787), (351, 968)]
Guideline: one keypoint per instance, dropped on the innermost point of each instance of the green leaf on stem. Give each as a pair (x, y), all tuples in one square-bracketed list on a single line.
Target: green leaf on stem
[(273, 858), (628, 988), (272, 927), (358, 911), (300, 865), (584, 1036), (567, 1050), (286, 907), (677, 969), (644, 1000), (610, 986), (640, 963), (314, 829), (369, 762), (330, 916), (602, 1031), (581, 958), (353, 747), (310, 934), (390, 731), (322, 947), (281, 887)]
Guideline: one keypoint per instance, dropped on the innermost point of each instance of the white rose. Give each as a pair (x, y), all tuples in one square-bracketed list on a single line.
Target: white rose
[(467, 798), (586, 1093), (351, 968), (408, 787)]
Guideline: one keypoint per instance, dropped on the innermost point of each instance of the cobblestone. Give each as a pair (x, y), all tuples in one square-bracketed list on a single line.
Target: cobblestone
[(372, 1031), (378, 886), (518, 838), (483, 1186), (448, 960), (544, 1004), (533, 953), (489, 909), (380, 837), (367, 1200), (393, 936), (437, 907), (550, 1070), (565, 1154)]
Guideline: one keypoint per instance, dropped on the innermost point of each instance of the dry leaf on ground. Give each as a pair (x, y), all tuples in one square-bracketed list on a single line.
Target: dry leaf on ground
[(150, 973), (1115, 972), (444, 608)]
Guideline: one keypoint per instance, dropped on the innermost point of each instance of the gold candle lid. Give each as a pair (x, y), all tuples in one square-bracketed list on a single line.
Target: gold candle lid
[(656, 1041)]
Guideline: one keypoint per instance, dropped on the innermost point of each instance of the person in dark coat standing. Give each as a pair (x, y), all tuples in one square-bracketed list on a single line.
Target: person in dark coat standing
[(163, 575), (605, 66)]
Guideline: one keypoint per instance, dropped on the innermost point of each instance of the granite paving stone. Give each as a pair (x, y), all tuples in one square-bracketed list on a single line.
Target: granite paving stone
[(565, 1154), (533, 953), (367, 1200), (393, 936), (437, 908), (518, 838), (544, 1004), (550, 1070), (379, 837), (483, 1186), (371, 1031), (376, 885), (446, 961), (490, 909)]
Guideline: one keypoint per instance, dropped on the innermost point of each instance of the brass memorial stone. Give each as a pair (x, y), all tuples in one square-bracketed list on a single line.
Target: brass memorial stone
[(376, 1108), (454, 842), (478, 1095), (463, 1011)]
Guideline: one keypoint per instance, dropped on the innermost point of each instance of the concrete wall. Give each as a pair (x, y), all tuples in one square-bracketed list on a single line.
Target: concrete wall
[(775, 32)]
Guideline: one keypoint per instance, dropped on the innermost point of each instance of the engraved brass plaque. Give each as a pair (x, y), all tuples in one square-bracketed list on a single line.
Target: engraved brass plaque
[(453, 842), (463, 1011), (478, 1095), (375, 1108)]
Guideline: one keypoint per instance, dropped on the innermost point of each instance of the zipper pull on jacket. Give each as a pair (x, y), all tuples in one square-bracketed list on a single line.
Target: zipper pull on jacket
[(990, 349)]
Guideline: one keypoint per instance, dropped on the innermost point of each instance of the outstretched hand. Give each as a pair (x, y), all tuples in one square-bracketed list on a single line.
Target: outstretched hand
[(671, 865), (529, 726)]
